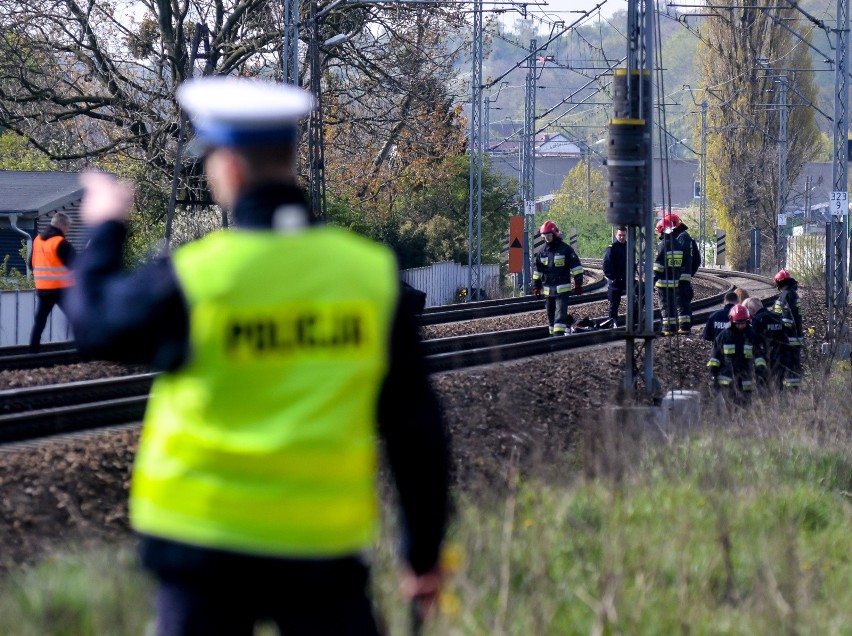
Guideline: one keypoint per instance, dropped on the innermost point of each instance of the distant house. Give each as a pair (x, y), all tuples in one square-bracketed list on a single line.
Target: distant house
[(557, 145), (28, 200), (504, 138)]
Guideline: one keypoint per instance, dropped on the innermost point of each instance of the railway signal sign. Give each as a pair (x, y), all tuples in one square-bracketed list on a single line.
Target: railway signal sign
[(516, 244), (839, 203)]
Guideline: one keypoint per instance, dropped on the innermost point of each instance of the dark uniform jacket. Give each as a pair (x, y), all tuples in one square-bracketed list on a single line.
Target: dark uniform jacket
[(615, 265), (788, 308), (142, 317), (556, 264), (717, 322), (673, 264), (774, 339), (737, 354)]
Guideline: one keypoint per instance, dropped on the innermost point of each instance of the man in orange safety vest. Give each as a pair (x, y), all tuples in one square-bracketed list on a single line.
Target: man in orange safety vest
[(51, 261)]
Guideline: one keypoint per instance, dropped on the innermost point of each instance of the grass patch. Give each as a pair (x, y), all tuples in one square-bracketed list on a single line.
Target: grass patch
[(743, 530), (721, 534), (91, 592)]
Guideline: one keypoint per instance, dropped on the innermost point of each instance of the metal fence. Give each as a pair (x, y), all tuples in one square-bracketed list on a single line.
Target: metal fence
[(442, 281), (806, 256), (17, 313)]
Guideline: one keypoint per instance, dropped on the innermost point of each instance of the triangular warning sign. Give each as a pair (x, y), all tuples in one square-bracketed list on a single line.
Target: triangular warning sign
[(516, 243)]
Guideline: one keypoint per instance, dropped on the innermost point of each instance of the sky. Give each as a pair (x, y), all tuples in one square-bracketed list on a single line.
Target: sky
[(569, 8), (567, 11)]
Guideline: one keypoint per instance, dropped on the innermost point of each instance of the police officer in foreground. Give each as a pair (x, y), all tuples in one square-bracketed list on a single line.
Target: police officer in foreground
[(51, 261), (254, 487), (556, 265), (615, 271)]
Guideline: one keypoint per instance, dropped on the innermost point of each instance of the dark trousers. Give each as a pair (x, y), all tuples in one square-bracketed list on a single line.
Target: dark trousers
[(668, 308), (613, 296), (47, 298), (557, 313), (310, 599), (793, 368), (684, 306), (733, 394)]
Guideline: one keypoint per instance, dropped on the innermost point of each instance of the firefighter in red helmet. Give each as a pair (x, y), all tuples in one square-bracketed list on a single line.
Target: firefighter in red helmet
[(770, 328), (673, 269), (737, 358), (788, 307), (556, 265)]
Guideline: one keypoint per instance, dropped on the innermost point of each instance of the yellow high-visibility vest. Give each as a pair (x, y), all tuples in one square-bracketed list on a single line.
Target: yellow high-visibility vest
[(265, 441)]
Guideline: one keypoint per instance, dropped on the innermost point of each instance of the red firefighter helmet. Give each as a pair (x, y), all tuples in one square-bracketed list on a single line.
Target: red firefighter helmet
[(739, 313), (670, 222), (660, 226), (549, 227), (782, 276)]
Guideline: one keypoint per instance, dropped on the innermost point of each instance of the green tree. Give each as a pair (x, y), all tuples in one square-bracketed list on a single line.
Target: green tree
[(741, 59), (429, 222), (89, 84), (17, 154), (442, 210), (581, 204)]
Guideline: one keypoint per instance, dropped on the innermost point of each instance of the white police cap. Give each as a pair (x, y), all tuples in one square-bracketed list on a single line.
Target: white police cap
[(237, 112)]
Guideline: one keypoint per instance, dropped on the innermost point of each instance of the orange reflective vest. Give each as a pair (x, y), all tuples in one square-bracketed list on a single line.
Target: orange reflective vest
[(48, 270)]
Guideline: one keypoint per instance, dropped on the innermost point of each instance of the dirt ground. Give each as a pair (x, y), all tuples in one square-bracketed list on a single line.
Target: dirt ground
[(75, 489)]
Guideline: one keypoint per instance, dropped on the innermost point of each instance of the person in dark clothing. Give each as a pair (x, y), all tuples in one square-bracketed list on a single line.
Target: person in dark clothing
[(775, 343), (788, 307), (719, 320), (555, 266), (255, 484), (615, 271), (51, 261), (737, 358), (673, 276), (414, 298)]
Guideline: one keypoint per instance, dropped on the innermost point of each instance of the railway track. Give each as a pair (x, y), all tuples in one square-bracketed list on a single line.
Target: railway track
[(18, 357), (34, 412)]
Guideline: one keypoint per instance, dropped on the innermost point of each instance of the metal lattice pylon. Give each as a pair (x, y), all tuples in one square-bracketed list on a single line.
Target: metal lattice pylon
[(316, 141), (839, 224), (640, 243), (290, 51), (528, 164), (474, 258)]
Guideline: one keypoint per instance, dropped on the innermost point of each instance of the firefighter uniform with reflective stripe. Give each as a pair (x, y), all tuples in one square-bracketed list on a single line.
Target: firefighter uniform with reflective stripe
[(771, 330), (673, 280), (555, 266), (736, 358), (788, 307)]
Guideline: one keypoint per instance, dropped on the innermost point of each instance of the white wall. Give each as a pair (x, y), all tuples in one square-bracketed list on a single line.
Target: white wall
[(17, 312), (441, 280)]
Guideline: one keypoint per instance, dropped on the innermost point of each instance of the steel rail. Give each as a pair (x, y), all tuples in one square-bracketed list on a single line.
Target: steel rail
[(18, 357), (34, 412)]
